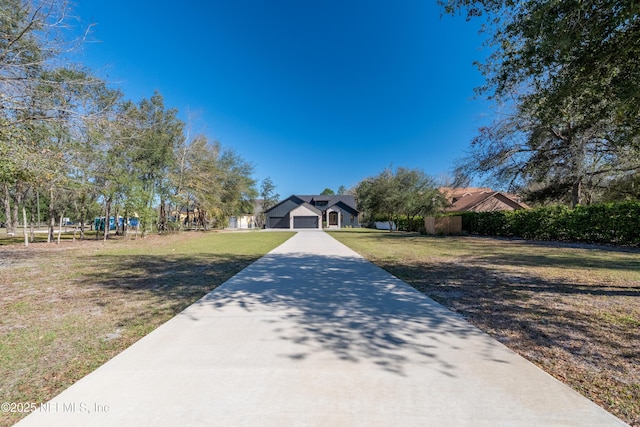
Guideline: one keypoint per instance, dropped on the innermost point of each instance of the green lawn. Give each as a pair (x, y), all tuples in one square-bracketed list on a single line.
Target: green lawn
[(574, 310), (67, 309)]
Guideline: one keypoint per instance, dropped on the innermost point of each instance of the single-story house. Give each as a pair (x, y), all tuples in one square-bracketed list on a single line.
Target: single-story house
[(480, 200), (248, 220), (335, 211), (242, 221)]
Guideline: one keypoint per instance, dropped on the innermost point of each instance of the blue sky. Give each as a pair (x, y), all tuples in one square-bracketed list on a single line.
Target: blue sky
[(315, 94)]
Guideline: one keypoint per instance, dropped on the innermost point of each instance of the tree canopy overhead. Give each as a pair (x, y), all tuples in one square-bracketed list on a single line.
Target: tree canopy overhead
[(568, 76), (561, 49)]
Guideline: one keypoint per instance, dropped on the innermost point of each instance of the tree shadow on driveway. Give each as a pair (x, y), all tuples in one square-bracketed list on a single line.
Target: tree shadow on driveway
[(347, 307)]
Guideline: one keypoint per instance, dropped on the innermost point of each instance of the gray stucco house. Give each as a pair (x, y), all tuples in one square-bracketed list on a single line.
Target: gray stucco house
[(336, 211)]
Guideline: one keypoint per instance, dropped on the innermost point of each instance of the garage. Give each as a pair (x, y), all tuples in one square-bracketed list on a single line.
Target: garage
[(305, 221), (293, 213), (278, 222)]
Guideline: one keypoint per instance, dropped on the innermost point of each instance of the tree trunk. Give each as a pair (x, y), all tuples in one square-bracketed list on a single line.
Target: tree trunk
[(17, 201), (7, 208), (162, 223), (576, 193), (52, 219), (117, 220), (107, 225), (38, 207), (24, 228), (125, 224), (83, 218), (52, 225), (33, 231), (60, 227)]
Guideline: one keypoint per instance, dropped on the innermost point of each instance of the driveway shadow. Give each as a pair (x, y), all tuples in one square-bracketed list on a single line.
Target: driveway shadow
[(345, 306)]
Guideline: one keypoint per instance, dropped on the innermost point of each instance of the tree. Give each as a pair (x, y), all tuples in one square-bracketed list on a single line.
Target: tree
[(211, 181), (416, 194), (342, 190), (94, 153), (157, 133), (557, 49), (567, 70), (624, 187), (33, 91), (111, 163), (31, 40), (549, 159), (238, 187), (269, 199), (327, 192), (403, 192)]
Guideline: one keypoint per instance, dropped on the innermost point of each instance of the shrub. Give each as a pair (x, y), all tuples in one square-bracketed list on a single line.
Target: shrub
[(609, 223)]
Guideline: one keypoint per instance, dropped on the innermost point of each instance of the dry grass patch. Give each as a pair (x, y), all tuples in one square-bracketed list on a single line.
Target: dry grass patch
[(68, 309), (574, 310)]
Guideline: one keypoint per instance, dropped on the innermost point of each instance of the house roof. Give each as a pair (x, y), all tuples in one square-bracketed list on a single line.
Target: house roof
[(346, 199), (293, 198), (469, 199), (346, 207), (458, 192)]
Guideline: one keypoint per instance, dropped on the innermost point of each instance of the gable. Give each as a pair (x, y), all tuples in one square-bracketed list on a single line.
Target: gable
[(305, 209), (327, 201), (284, 207), (492, 204), (484, 201), (343, 206)]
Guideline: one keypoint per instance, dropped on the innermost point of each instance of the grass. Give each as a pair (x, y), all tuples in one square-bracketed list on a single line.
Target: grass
[(574, 310), (68, 308), (40, 235)]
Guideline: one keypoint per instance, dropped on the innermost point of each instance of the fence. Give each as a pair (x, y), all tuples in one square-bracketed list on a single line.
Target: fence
[(444, 225)]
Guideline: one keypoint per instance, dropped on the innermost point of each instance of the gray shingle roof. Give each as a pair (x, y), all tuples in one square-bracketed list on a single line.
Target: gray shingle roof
[(331, 200)]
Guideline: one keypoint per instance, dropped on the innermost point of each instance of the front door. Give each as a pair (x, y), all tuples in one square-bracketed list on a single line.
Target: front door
[(333, 218)]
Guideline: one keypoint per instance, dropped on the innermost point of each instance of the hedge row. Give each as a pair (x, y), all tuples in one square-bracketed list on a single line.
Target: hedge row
[(608, 223), (403, 223)]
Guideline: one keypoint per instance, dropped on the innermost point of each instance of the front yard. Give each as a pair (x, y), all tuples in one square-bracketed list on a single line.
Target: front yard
[(573, 310), (68, 309)]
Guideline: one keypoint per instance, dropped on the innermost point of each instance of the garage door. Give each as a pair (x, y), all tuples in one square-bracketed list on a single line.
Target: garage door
[(305, 222), (278, 222)]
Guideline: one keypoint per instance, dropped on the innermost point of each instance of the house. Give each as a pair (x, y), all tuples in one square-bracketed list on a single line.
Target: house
[(242, 221), (480, 200), (248, 220), (335, 211)]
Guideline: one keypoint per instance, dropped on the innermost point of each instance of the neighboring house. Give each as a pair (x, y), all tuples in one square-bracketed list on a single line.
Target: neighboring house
[(336, 211), (242, 221), (480, 200), (185, 216), (247, 220)]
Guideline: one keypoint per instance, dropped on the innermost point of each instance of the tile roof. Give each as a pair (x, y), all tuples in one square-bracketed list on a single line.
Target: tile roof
[(468, 199)]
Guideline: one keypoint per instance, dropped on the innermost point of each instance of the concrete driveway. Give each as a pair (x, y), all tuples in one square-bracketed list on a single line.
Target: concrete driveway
[(314, 335)]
